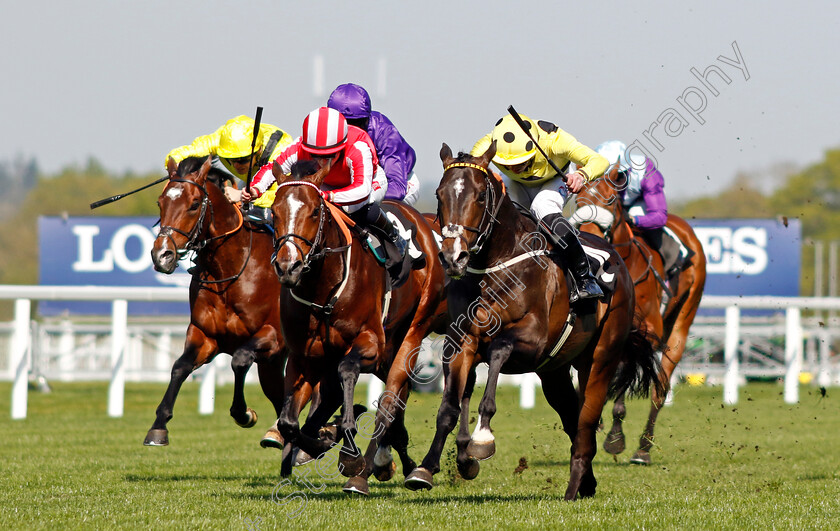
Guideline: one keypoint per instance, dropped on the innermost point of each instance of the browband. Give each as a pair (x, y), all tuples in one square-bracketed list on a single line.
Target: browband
[(466, 165)]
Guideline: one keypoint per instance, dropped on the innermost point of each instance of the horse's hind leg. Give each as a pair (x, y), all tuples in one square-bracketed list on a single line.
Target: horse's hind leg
[(483, 445), (198, 350), (614, 443), (561, 395)]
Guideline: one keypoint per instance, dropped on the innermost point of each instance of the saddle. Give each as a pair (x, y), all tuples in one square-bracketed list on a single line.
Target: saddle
[(385, 253)]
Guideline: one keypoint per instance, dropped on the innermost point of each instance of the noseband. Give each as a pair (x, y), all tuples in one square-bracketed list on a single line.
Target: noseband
[(491, 209)]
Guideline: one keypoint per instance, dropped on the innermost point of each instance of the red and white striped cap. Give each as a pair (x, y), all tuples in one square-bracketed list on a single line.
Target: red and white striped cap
[(324, 131)]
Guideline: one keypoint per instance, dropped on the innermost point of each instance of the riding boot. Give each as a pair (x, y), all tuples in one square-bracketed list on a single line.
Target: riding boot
[(258, 215), (384, 225), (563, 235)]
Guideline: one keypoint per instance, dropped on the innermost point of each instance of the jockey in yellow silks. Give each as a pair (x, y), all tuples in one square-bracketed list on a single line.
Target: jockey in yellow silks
[(230, 145), (532, 182)]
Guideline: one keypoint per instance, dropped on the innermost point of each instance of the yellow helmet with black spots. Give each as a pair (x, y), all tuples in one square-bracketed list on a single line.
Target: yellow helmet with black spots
[(235, 138), (512, 145)]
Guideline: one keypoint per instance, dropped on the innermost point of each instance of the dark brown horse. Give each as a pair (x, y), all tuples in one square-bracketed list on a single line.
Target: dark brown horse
[(234, 293), (509, 306), (600, 203), (341, 317)]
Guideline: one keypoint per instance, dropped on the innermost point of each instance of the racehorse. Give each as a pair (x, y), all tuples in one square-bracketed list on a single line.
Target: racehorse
[(341, 317), (509, 307), (600, 212), (234, 294)]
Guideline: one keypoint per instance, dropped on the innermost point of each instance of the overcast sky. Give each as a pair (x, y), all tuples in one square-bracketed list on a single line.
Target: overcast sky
[(125, 82)]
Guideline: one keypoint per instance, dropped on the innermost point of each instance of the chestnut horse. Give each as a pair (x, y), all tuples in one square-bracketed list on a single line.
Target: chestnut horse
[(600, 212), (341, 317), (233, 294), (509, 307)]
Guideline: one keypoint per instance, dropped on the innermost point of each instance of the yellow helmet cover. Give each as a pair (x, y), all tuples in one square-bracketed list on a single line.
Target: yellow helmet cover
[(235, 138), (512, 144)]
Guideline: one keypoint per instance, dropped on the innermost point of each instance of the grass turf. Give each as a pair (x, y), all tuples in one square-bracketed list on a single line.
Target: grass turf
[(760, 464)]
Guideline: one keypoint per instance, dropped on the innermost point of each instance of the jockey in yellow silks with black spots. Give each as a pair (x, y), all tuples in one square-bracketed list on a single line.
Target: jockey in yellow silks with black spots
[(230, 145), (534, 183)]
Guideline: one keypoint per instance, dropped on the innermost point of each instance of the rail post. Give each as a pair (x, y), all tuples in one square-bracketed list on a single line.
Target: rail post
[(20, 346), (730, 355)]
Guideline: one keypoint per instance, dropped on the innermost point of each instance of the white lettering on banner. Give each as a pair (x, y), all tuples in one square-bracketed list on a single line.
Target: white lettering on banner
[(734, 251), (85, 262), (118, 242), (115, 254)]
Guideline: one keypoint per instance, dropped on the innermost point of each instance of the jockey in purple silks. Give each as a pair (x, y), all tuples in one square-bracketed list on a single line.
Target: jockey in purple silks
[(644, 200), (396, 157)]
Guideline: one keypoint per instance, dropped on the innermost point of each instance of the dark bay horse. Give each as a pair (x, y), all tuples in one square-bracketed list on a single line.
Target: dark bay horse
[(509, 307), (234, 294), (341, 317), (600, 212)]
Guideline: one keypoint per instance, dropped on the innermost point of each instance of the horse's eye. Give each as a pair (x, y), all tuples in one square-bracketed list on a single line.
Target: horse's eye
[(195, 205), (316, 212), (482, 196)]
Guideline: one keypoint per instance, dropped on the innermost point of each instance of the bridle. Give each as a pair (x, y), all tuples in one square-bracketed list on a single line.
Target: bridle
[(291, 237), (194, 244), (488, 216)]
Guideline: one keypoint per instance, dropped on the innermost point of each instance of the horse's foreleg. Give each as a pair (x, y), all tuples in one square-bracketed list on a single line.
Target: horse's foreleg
[(351, 459), (483, 443), (456, 374), (271, 381), (240, 363), (198, 350), (614, 443), (468, 466)]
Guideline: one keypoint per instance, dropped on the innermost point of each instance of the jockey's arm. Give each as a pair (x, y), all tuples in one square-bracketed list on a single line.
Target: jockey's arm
[(656, 207), (200, 147), (362, 168)]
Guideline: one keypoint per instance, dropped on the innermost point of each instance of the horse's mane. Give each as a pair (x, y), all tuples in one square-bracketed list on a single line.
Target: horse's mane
[(216, 176), (464, 157), (303, 169)]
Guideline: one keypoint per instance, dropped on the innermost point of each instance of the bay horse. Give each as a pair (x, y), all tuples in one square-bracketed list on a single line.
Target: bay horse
[(509, 307), (600, 212), (341, 317), (234, 294)]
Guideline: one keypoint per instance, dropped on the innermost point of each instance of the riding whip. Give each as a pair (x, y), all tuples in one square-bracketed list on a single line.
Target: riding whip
[(97, 204), (521, 123), (257, 120)]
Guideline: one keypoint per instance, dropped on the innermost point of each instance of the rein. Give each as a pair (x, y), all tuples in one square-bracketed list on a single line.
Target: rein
[(449, 231)]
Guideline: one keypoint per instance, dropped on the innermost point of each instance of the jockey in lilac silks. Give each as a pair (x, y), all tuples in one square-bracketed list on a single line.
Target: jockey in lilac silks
[(396, 157)]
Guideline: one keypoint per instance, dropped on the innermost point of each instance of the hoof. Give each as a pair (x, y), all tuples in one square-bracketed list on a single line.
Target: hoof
[(157, 438), (419, 479), (587, 487), (351, 466), (328, 433), (469, 469), (481, 451), (641, 457), (384, 473), (252, 419), (356, 485), (272, 439), (614, 443), (302, 457)]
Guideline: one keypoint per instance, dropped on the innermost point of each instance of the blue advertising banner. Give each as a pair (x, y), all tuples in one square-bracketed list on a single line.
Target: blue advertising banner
[(751, 256), (103, 251)]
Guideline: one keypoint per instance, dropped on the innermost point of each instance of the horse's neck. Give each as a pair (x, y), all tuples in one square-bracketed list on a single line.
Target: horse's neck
[(226, 244), (327, 273), (510, 236)]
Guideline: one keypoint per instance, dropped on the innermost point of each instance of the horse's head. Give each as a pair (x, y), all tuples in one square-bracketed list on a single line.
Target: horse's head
[(468, 200), (599, 204), (299, 214), (183, 208)]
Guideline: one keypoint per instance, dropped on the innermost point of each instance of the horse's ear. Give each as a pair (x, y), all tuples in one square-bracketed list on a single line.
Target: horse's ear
[(277, 171), (171, 167), (445, 155), (488, 155), (320, 175), (204, 170)]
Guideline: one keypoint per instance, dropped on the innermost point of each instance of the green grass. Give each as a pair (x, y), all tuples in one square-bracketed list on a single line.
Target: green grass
[(760, 464)]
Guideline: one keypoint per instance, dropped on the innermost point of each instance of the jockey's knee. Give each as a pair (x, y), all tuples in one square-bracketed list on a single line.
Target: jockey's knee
[(547, 202)]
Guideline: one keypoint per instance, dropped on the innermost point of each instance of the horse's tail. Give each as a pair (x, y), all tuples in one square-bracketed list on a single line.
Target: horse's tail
[(639, 368)]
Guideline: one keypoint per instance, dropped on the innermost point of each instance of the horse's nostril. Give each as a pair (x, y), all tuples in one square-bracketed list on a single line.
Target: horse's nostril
[(462, 257)]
